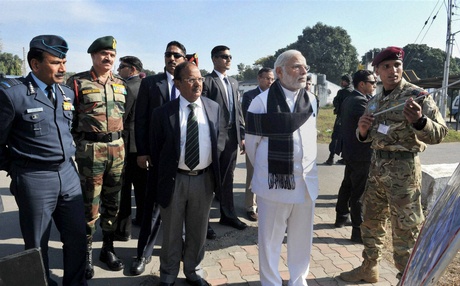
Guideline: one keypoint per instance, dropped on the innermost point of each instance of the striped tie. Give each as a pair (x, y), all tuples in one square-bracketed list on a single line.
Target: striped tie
[(192, 150)]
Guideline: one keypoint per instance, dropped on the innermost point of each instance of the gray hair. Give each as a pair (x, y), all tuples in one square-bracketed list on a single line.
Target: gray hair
[(282, 59)]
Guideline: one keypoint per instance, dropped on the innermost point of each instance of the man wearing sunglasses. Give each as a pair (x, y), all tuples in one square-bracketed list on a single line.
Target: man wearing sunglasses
[(223, 89), (154, 91), (357, 155)]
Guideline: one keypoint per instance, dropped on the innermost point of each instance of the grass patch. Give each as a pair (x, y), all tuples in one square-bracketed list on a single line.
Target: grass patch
[(326, 118)]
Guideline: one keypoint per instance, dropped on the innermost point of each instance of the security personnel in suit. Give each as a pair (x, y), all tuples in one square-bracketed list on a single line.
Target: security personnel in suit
[(183, 185), (265, 77), (154, 91), (36, 149), (133, 175), (100, 148), (224, 90)]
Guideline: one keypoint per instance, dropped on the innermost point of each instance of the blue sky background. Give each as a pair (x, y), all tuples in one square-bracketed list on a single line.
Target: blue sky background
[(252, 28)]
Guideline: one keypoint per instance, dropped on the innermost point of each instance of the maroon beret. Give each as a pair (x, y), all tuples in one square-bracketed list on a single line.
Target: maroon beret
[(390, 53)]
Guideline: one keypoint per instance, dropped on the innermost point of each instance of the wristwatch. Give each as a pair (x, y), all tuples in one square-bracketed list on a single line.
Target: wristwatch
[(421, 122)]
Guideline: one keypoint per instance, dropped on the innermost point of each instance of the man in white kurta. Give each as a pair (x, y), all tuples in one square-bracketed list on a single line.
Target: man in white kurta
[(282, 209)]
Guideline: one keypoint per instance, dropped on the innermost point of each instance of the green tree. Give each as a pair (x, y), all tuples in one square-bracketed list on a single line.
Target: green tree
[(328, 51), (10, 64), (426, 62), (246, 72)]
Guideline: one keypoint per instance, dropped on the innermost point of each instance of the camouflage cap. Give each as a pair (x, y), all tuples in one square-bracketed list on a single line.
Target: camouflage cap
[(103, 43), (54, 45), (390, 53)]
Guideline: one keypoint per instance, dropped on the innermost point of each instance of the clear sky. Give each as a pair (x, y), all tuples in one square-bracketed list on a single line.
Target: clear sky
[(252, 28)]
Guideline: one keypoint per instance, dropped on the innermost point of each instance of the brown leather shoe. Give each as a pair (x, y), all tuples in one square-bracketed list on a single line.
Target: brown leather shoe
[(252, 216)]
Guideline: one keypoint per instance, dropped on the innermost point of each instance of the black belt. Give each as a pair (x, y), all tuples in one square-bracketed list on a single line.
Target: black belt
[(102, 137), (395, 155), (193, 173)]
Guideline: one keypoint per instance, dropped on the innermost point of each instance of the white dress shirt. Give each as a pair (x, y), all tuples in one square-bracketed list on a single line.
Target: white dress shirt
[(203, 134)]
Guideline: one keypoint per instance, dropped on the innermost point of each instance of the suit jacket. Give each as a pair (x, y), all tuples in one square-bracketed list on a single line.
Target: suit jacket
[(165, 146), (132, 85), (248, 96), (214, 89), (153, 92), (352, 108)]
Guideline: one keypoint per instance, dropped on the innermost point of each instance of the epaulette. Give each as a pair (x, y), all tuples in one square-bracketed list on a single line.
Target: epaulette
[(80, 74), (6, 83)]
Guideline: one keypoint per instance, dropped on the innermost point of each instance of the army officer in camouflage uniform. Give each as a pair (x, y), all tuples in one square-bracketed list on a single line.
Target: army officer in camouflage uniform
[(394, 183), (100, 149)]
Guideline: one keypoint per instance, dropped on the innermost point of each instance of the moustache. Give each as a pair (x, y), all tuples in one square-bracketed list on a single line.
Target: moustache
[(60, 74)]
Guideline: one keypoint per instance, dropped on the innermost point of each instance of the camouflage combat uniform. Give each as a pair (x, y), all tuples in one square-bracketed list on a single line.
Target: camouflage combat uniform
[(100, 148), (394, 183)]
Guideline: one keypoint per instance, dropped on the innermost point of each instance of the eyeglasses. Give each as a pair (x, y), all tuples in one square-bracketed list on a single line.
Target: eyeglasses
[(371, 82), (193, 80), (297, 67), (122, 66), (225, 57), (175, 55)]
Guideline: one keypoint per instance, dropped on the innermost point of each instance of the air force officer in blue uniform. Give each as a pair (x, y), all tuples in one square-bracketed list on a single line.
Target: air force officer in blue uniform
[(36, 149)]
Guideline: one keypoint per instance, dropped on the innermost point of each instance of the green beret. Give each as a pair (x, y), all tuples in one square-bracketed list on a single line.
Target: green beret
[(104, 43)]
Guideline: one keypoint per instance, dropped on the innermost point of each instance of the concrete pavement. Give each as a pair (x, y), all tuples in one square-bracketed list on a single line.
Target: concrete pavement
[(233, 257)]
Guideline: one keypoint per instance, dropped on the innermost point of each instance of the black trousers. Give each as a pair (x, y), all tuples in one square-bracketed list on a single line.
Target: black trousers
[(351, 190), (227, 169), (135, 176)]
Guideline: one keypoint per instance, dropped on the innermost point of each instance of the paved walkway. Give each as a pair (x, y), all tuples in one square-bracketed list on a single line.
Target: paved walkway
[(232, 259)]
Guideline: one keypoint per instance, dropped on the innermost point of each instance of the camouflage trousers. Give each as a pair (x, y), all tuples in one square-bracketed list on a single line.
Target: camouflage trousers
[(393, 191), (100, 166)]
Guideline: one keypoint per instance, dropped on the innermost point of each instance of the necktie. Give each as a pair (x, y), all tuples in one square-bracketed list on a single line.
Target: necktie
[(230, 99), (192, 149), (49, 89), (173, 92)]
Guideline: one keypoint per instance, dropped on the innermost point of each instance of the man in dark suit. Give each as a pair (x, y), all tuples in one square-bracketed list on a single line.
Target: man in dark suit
[(335, 147), (224, 90), (154, 91), (265, 78), (133, 175), (184, 153), (357, 155), (36, 150)]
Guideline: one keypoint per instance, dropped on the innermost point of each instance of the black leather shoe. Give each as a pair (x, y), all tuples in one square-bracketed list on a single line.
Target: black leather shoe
[(138, 266), (199, 282), (341, 222), (166, 284), (252, 216), (233, 222), (211, 234), (109, 257)]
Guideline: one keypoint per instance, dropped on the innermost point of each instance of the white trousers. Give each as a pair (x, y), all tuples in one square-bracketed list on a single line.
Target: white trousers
[(274, 219)]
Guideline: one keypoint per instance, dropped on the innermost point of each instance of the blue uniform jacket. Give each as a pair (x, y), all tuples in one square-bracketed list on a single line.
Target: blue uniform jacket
[(31, 128)]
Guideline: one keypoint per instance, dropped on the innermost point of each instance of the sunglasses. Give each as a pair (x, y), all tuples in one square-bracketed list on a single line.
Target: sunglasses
[(225, 57), (175, 55), (123, 66), (371, 82)]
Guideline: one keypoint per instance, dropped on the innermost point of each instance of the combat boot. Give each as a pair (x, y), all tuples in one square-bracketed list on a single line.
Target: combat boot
[(89, 271), (368, 272), (108, 255)]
